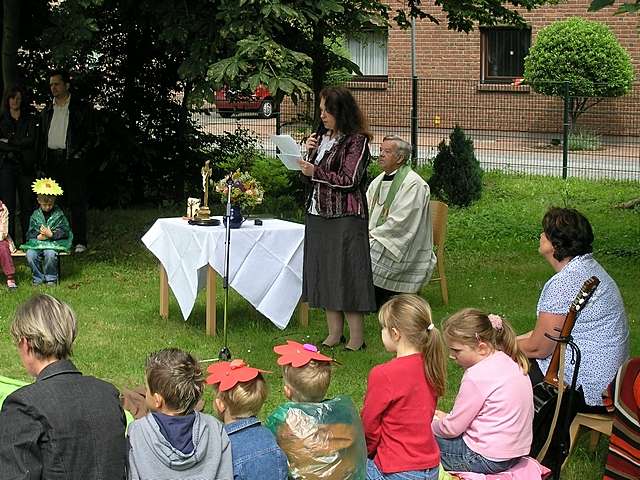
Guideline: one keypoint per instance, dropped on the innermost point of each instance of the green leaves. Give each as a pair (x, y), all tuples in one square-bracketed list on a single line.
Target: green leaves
[(585, 54)]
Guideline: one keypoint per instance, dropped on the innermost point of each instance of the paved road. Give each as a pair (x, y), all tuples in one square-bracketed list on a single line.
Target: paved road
[(619, 159)]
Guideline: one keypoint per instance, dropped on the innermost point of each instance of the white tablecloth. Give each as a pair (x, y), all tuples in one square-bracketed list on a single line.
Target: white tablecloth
[(265, 262)]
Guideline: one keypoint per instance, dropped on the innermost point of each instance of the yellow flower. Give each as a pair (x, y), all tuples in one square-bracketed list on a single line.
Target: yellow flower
[(46, 186)]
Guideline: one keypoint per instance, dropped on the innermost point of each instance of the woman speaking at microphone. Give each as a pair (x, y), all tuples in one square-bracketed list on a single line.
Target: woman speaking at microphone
[(337, 265)]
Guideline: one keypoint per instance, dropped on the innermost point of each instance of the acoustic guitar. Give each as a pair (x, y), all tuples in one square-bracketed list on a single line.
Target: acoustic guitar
[(550, 436)]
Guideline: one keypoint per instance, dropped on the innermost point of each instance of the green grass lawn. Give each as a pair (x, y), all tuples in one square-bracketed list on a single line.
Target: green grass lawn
[(492, 263)]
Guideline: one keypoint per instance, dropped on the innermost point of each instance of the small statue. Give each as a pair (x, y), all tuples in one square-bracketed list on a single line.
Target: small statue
[(203, 211)]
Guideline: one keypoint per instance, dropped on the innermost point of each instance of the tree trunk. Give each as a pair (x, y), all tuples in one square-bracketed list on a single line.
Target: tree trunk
[(630, 204), (180, 164), (10, 40), (318, 71)]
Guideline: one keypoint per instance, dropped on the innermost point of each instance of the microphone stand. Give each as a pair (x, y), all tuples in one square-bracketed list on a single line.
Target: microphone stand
[(225, 353)]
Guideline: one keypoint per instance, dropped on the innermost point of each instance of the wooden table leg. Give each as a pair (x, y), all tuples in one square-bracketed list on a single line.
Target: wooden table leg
[(303, 313), (211, 302), (164, 293)]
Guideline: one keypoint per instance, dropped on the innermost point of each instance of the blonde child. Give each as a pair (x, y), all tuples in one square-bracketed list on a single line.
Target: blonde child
[(173, 440), (402, 394), (321, 437), (240, 394), (489, 427), (6, 248), (49, 233)]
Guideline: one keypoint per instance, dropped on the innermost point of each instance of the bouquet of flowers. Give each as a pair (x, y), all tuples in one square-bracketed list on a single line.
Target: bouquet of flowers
[(246, 191)]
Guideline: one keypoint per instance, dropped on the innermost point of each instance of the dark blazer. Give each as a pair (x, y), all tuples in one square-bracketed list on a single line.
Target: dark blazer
[(65, 426), (80, 131), (340, 178)]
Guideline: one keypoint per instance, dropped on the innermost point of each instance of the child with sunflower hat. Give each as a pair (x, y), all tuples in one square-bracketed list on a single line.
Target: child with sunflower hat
[(49, 233)]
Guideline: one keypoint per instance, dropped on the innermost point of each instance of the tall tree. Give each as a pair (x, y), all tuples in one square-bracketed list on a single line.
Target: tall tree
[(583, 56)]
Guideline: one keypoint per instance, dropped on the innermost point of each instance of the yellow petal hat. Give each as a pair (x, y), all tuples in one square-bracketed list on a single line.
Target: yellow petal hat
[(46, 186)]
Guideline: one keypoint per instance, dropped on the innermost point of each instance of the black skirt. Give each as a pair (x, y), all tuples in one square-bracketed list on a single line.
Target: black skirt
[(337, 264)]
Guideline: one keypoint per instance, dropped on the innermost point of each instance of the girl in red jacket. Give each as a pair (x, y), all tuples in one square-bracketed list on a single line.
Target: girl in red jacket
[(402, 394)]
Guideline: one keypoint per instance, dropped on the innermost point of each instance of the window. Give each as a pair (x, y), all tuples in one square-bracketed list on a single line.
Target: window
[(369, 52), (502, 53)]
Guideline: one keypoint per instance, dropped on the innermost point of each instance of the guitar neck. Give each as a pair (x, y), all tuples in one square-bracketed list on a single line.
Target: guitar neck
[(578, 304), (551, 376)]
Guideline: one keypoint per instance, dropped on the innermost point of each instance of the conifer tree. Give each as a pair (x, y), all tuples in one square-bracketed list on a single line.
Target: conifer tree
[(457, 177)]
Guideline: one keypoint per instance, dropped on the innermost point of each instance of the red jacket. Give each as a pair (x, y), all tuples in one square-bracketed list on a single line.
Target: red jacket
[(397, 413), (340, 179)]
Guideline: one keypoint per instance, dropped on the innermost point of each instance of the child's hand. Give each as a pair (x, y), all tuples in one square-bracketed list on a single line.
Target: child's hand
[(46, 231), (439, 414), (41, 237)]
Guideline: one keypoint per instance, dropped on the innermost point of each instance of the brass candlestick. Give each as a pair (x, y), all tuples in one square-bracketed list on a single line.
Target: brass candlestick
[(203, 212)]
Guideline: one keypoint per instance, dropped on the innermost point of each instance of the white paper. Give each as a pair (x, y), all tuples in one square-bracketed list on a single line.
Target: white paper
[(289, 151)]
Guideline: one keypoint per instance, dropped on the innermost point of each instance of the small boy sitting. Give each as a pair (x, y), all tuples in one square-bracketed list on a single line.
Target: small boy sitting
[(321, 438), (240, 393), (174, 441), (6, 248), (49, 233)]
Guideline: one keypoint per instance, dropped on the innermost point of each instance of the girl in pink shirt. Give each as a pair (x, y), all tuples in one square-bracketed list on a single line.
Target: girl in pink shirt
[(490, 425), (402, 394)]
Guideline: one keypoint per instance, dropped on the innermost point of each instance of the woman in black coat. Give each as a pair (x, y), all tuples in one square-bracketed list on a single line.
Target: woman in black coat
[(17, 157)]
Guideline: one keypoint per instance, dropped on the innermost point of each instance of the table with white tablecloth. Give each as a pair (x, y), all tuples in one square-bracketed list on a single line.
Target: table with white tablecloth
[(265, 265)]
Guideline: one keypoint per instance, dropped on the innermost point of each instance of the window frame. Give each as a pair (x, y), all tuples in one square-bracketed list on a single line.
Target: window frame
[(371, 77), (487, 79)]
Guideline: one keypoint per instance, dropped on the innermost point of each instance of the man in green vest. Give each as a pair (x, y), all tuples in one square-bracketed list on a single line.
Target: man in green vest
[(400, 235)]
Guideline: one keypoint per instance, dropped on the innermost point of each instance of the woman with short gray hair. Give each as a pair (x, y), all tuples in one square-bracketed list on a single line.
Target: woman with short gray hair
[(64, 425)]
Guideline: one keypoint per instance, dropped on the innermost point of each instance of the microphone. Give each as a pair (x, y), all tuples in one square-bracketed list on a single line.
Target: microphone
[(320, 131)]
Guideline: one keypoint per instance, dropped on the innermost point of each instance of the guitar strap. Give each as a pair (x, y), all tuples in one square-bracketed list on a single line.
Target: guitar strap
[(556, 413)]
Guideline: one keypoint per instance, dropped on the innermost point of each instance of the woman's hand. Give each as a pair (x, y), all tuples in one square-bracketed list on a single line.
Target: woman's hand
[(312, 142), (306, 168)]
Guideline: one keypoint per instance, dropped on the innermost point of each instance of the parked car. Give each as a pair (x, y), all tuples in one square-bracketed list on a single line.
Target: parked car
[(229, 101)]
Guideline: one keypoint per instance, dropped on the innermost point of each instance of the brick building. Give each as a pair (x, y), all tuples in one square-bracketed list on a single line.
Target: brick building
[(466, 78)]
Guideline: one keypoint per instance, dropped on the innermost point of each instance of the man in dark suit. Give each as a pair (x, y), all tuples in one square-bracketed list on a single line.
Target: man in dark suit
[(65, 426), (66, 138)]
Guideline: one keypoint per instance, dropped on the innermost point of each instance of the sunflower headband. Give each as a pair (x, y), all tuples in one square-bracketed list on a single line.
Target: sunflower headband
[(46, 186)]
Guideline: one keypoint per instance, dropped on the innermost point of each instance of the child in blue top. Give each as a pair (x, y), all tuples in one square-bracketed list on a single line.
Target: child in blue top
[(240, 393)]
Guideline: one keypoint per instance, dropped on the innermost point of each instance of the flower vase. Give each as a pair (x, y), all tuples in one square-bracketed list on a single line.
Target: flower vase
[(235, 220)]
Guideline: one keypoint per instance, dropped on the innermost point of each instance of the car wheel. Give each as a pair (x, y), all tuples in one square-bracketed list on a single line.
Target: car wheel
[(266, 109), (225, 113)]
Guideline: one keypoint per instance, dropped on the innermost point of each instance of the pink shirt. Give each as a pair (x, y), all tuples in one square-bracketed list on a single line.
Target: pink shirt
[(493, 410)]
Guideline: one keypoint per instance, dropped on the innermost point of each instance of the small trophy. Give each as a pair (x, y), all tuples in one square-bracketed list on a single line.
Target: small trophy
[(203, 212), (203, 216)]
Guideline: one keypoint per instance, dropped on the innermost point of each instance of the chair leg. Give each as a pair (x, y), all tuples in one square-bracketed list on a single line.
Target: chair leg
[(594, 438), (573, 435), (444, 290)]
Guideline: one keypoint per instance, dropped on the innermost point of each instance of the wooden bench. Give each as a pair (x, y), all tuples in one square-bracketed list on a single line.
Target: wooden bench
[(20, 253)]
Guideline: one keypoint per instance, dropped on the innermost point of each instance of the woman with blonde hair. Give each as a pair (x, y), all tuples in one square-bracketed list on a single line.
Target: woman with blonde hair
[(65, 425), (490, 425), (402, 394)]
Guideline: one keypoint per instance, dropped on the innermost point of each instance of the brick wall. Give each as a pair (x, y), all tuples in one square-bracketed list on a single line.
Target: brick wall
[(446, 54)]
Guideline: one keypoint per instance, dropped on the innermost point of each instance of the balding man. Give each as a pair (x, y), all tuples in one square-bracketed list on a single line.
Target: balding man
[(400, 235)]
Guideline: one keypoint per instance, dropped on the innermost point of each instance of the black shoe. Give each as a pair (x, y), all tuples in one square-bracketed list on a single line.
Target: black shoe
[(349, 349), (342, 340)]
